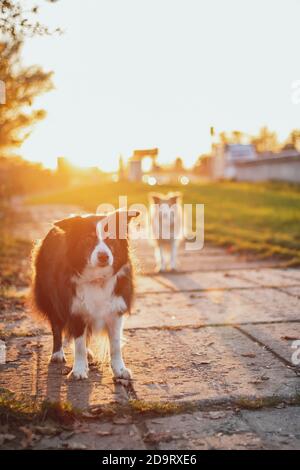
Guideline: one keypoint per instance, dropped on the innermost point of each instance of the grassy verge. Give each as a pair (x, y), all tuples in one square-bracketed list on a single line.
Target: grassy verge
[(24, 410), (258, 218), (14, 266), (13, 252), (23, 421)]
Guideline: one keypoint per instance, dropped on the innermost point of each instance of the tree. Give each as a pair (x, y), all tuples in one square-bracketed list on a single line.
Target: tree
[(203, 165), (265, 141), (121, 169), (293, 140), (224, 138), (23, 85), (178, 165), (18, 176), (237, 137), (17, 22), (233, 137)]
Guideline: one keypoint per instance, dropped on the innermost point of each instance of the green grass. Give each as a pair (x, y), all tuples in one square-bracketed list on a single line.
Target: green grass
[(14, 275), (26, 409), (258, 218), (12, 252)]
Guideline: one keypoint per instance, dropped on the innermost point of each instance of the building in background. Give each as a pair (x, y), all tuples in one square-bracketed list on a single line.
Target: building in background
[(135, 169), (281, 166), (226, 156), (242, 163)]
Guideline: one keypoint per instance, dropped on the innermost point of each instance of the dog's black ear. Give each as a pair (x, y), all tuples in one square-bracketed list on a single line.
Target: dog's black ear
[(129, 214), (116, 223), (155, 198), (68, 223), (173, 198), (132, 214)]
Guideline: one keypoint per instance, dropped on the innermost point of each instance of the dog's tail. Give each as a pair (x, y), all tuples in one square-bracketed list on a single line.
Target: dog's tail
[(100, 344)]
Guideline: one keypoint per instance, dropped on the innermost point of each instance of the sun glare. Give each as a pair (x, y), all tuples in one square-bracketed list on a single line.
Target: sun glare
[(184, 180), (121, 98), (152, 181)]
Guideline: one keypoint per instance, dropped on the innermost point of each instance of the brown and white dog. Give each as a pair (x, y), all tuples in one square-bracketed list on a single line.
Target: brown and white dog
[(166, 228), (83, 284)]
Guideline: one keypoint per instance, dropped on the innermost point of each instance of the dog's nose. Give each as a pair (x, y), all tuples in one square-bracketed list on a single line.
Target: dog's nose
[(102, 258)]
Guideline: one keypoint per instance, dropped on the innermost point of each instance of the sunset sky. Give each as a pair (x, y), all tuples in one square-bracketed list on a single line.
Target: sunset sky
[(158, 73)]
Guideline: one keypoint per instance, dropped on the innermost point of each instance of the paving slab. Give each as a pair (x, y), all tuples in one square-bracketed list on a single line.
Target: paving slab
[(189, 365), (202, 262), (293, 291), (293, 273), (27, 372), (96, 436), (275, 300), (269, 277), (244, 430), (278, 428), (146, 284), (84, 435), (207, 259), (213, 307), (280, 337), (203, 280), (203, 431), (217, 363)]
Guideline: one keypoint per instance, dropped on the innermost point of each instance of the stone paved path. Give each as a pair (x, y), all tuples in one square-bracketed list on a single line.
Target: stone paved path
[(214, 338)]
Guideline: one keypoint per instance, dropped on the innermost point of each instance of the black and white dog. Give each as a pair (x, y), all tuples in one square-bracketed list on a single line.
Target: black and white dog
[(83, 284)]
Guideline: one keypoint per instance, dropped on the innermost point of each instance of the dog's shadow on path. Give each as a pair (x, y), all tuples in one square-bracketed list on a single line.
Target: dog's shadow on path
[(62, 389), (98, 389)]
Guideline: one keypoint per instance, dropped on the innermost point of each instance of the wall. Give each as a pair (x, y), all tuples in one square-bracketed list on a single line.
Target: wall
[(275, 168)]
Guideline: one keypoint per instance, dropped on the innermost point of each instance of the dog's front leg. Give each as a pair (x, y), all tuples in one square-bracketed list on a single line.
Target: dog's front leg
[(160, 259), (80, 366), (114, 327), (58, 352), (173, 255)]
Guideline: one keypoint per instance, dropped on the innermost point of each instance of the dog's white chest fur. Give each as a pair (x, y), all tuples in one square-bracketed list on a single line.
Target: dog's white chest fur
[(95, 299)]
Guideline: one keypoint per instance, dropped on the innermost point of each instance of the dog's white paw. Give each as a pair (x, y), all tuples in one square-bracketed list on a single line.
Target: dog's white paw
[(58, 357), (160, 270), (79, 372), (122, 373)]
